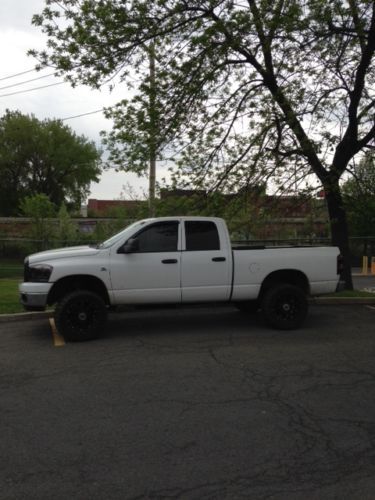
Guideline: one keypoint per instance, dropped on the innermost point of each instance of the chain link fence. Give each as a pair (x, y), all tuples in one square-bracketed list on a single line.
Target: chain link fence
[(14, 250)]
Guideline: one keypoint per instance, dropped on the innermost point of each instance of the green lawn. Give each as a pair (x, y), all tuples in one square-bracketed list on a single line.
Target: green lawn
[(11, 268), (352, 293), (9, 301)]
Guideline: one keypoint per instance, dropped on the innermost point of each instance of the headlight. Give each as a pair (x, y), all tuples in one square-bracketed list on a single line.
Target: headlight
[(40, 273)]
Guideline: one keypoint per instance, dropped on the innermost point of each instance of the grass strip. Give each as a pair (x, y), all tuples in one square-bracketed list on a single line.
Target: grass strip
[(9, 299), (351, 294), (11, 269)]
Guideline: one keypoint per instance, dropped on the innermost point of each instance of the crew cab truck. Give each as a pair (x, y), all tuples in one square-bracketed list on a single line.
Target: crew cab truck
[(175, 260)]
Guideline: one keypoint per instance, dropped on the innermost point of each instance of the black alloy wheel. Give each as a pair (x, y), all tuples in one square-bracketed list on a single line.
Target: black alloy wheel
[(81, 315), (285, 307)]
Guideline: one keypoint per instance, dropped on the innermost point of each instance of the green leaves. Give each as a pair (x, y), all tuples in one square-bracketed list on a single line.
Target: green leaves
[(39, 208), (43, 157), (359, 196), (230, 76)]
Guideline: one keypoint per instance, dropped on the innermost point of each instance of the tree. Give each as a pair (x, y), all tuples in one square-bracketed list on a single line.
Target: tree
[(67, 230), (40, 209), (252, 89), (43, 157), (359, 197)]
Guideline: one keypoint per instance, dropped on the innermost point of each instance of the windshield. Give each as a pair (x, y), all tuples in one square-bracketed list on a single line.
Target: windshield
[(122, 235)]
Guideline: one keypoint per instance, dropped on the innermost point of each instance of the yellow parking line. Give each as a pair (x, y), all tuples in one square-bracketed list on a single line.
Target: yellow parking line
[(58, 340)]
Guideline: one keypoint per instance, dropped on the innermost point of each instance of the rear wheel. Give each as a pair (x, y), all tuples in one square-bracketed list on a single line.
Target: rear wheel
[(284, 307), (81, 315)]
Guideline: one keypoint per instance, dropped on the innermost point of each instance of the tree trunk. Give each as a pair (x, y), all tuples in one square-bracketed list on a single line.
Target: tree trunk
[(339, 227)]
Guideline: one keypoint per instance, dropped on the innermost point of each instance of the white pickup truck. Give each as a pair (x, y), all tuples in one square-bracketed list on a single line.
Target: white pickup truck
[(175, 260)]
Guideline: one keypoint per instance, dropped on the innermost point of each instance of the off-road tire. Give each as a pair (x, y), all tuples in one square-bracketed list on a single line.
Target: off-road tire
[(80, 316), (284, 307)]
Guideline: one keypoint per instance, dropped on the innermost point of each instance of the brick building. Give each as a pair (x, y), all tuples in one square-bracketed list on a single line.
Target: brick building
[(102, 208)]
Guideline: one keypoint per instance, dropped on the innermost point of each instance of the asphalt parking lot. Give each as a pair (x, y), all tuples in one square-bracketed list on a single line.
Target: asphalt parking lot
[(202, 403)]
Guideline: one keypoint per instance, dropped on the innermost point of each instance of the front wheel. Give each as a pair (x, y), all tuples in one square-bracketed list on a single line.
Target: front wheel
[(81, 315), (284, 307)]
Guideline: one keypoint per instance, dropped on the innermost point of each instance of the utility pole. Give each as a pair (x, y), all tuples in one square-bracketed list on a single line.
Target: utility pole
[(153, 132)]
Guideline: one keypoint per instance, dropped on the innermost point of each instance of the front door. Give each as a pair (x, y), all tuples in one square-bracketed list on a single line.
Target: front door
[(151, 272)]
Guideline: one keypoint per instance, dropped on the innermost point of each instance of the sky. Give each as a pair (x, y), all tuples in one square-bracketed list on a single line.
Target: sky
[(17, 36)]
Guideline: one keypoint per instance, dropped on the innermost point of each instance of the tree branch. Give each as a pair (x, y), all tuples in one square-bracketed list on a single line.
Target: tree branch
[(350, 144), (367, 138)]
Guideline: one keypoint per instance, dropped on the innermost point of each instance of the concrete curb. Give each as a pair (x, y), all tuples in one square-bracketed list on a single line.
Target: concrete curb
[(342, 300), (5, 318)]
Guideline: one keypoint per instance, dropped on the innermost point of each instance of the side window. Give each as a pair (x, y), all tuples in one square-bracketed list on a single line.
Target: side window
[(160, 237), (201, 235)]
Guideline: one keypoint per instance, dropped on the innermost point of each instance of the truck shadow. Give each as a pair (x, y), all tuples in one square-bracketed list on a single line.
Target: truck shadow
[(201, 324), (200, 321), (192, 321)]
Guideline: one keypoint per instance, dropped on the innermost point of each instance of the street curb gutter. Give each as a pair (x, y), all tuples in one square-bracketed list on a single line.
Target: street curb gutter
[(5, 318), (342, 300), (328, 301)]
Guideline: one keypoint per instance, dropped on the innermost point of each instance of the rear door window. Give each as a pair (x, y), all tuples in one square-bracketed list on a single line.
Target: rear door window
[(201, 235)]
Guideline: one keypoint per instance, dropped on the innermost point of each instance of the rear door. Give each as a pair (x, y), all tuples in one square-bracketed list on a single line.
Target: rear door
[(205, 267)]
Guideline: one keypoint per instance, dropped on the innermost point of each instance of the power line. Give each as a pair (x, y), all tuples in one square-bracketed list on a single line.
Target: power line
[(17, 74), (27, 81), (83, 114), (29, 90)]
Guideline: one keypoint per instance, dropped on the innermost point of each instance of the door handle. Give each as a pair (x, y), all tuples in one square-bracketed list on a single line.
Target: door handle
[(169, 261), (219, 259)]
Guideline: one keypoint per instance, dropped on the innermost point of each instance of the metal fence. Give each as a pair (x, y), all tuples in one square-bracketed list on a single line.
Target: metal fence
[(14, 250)]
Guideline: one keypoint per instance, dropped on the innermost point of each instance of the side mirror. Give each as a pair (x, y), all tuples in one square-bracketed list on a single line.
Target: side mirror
[(131, 246)]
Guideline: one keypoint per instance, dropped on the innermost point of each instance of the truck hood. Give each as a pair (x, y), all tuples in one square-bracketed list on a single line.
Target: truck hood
[(62, 253)]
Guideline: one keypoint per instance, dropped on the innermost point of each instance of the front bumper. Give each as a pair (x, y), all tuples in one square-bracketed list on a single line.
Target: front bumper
[(34, 295)]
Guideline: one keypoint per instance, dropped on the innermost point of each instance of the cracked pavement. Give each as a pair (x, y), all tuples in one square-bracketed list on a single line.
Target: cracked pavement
[(198, 403)]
